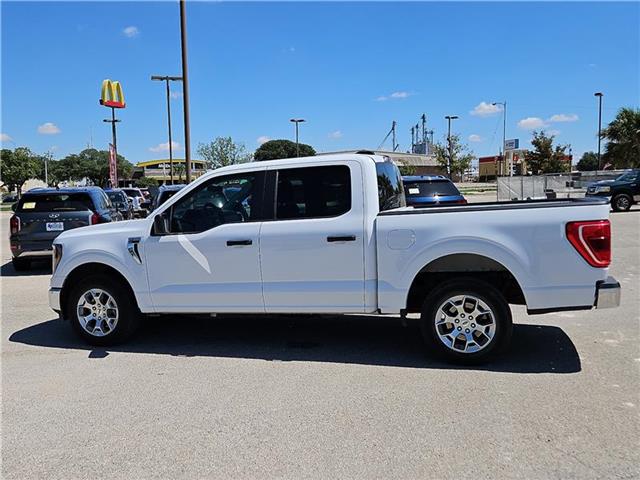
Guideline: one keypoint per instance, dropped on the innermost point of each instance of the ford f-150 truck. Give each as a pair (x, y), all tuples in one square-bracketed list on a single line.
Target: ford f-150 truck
[(332, 235)]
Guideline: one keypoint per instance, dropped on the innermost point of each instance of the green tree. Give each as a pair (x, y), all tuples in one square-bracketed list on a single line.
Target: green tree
[(91, 164), (545, 157), (623, 135), (275, 149), (588, 162), (18, 166), (147, 182), (179, 170), (406, 170), (459, 155), (223, 151)]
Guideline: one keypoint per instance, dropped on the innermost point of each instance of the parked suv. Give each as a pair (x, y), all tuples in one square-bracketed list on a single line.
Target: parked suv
[(165, 192), (121, 203), (428, 190), (42, 214), (623, 191), (138, 200)]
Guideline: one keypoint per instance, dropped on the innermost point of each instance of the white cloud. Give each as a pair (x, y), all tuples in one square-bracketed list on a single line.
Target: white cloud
[(164, 147), (531, 123), (553, 132), (262, 139), (475, 138), (484, 109), (563, 117), (335, 135), (5, 138), (48, 128), (394, 96), (131, 31)]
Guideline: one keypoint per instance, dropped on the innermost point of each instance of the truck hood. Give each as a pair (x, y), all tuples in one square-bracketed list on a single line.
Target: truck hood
[(126, 227)]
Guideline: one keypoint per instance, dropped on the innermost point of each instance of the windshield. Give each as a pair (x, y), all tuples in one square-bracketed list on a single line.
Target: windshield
[(430, 188), (117, 197), (628, 177), (132, 192), (55, 202)]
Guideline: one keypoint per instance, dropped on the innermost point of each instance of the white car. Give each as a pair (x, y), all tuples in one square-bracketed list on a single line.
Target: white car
[(332, 234)]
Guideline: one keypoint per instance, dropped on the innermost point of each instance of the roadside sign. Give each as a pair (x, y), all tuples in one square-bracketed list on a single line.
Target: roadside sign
[(113, 172), (512, 144)]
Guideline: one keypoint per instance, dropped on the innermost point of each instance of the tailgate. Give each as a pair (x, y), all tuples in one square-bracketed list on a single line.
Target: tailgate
[(39, 226)]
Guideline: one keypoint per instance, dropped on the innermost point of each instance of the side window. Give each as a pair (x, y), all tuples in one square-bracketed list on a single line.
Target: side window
[(227, 199), (390, 189), (313, 192)]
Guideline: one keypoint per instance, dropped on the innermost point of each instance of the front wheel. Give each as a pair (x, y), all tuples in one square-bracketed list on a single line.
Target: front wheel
[(466, 321), (621, 202), (102, 311)]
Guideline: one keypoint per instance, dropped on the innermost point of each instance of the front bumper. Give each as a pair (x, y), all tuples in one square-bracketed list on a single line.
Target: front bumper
[(608, 293), (54, 299)]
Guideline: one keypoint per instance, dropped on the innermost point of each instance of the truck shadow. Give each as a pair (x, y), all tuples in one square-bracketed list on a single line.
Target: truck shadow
[(38, 267), (356, 339)]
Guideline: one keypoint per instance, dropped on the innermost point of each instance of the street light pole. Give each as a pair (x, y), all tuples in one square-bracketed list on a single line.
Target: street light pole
[(168, 79), (599, 95), (504, 136), (297, 121), (113, 122), (185, 89), (449, 118)]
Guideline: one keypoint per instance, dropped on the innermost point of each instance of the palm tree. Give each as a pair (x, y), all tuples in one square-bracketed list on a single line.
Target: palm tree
[(623, 135)]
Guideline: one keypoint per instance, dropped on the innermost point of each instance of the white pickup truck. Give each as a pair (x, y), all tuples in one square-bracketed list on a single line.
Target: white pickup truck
[(332, 234)]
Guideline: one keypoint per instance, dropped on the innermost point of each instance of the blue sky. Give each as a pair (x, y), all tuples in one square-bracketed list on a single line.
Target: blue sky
[(348, 68)]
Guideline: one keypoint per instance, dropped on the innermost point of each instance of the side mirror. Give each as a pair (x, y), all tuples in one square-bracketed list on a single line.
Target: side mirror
[(160, 225)]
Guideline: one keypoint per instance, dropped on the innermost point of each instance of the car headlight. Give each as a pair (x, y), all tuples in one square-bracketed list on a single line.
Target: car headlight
[(56, 257), (603, 189)]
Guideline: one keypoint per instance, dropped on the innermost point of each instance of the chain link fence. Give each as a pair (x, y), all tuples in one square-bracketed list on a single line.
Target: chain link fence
[(551, 185)]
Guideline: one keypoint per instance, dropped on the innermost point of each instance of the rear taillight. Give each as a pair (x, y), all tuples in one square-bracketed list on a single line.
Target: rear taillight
[(95, 218), (14, 225), (592, 240)]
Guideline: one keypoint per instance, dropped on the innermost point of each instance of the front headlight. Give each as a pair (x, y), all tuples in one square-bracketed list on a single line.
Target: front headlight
[(603, 189), (56, 257)]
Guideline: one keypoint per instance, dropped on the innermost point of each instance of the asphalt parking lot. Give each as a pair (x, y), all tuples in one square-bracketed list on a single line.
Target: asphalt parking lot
[(351, 397)]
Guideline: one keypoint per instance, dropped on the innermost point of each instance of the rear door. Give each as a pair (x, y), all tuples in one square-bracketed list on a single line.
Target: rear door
[(311, 253)]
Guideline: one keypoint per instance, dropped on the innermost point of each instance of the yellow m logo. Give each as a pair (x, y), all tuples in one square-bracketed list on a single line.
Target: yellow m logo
[(111, 94)]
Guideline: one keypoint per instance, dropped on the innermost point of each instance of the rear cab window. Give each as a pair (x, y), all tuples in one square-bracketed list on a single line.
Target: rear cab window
[(390, 188), (54, 202), (313, 192)]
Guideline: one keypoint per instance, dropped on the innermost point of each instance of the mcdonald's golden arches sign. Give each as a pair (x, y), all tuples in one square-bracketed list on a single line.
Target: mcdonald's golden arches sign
[(111, 94)]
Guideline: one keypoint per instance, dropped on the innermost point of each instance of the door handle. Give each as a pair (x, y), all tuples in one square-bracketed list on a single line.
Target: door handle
[(345, 238), (235, 243)]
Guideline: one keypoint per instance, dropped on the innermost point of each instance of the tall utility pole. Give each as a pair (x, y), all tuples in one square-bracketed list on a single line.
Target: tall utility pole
[(297, 121), (504, 136), (449, 118), (185, 89), (424, 129), (599, 95), (413, 139), (394, 145), (168, 79)]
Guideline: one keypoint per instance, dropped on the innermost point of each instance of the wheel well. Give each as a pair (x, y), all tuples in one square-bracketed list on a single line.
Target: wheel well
[(467, 265), (85, 270)]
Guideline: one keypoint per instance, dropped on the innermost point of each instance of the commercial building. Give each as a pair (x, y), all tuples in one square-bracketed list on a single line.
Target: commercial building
[(160, 170), (498, 166)]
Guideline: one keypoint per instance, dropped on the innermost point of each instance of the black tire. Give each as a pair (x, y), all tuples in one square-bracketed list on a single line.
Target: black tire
[(20, 264), (482, 291), (621, 202), (128, 314)]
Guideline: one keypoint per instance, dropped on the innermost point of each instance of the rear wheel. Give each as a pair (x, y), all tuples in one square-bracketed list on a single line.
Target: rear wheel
[(102, 311), (466, 321), (20, 264), (621, 202)]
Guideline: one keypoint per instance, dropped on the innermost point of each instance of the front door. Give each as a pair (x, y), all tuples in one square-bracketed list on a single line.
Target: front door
[(209, 261), (312, 252)]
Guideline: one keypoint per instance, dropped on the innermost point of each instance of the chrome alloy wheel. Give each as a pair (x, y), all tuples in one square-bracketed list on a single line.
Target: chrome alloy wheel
[(97, 312), (465, 324)]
